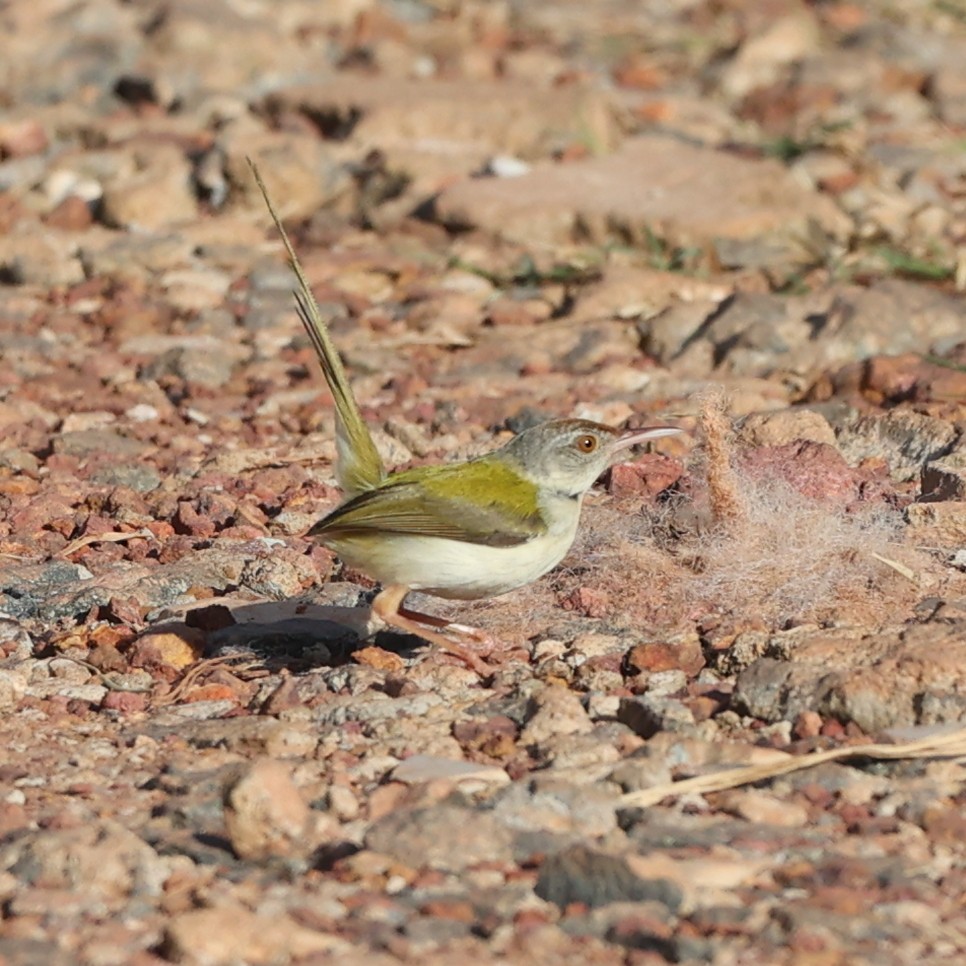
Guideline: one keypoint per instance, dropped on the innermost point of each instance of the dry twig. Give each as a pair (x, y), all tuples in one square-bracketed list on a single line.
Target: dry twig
[(196, 672), (949, 744), (81, 542)]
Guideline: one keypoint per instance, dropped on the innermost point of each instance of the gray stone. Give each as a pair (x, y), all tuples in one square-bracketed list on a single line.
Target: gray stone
[(455, 126), (15, 643), (774, 690), (557, 805), (648, 714), (881, 680), (582, 874), (265, 815), (945, 479), (156, 195), (98, 442), (425, 768), (25, 590), (135, 476), (906, 440), (13, 686), (443, 837), (101, 859), (693, 195)]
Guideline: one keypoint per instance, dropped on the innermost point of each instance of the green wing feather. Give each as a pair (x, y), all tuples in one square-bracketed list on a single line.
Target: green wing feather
[(359, 467), (444, 501)]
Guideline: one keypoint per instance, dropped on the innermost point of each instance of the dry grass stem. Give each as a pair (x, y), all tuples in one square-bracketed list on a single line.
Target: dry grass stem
[(91, 538), (724, 491), (950, 744)]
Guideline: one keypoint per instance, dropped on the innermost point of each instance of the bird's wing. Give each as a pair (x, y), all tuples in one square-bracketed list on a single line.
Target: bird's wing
[(447, 502)]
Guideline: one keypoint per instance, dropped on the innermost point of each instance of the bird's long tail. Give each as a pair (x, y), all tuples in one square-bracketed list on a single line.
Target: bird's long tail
[(359, 466)]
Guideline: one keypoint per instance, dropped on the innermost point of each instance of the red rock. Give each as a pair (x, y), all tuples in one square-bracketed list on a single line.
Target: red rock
[(454, 909), (175, 548), (818, 795), (285, 697), (811, 943), (945, 823), (707, 195), (640, 930), (188, 520), (106, 657), (647, 476), (526, 920), (944, 384), (891, 377), (126, 702), (378, 658), (11, 211), (161, 529), (494, 737), (212, 692), (124, 499), (807, 725), (174, 647), (588, 601), (638, 74), (126, 610), (508, 311), (842, 900), (386, 799), (12, 818), (853, 815), (704, 707), (72, 214), (816, 470), (244, 532), (471, 729), (265, 815), (63, 464), (221, 508), (46, 511), (21, 138), (846, 17), (276, 480), (836, 184), (680, 653), (19, 486), (653, 656), (833, 728)]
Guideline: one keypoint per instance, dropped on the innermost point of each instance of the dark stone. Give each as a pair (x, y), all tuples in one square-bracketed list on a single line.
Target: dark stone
[(97, 442), (135, 476), (580, 874), (24, 590)]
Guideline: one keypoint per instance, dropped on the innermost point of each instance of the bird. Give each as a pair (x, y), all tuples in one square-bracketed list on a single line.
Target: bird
[(464, 530)]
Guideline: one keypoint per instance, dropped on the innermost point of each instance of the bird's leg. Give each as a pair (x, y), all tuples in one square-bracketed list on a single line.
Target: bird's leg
[(421, 618), (462, 630), (387, 606)]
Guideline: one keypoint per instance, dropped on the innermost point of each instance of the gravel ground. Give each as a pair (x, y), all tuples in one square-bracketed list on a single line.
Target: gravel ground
[(748, 218)]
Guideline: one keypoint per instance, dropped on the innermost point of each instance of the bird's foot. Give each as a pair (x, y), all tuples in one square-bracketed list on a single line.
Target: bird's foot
[(471, 633), (388, 608)]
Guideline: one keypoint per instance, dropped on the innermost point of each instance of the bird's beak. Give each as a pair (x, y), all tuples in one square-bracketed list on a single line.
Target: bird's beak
[(636, 436)]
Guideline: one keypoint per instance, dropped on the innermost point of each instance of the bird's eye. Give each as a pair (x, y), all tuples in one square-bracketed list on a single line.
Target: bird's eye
[(586, 444)]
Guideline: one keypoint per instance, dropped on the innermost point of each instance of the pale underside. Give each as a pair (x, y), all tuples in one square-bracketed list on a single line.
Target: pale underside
[(454, 568)]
